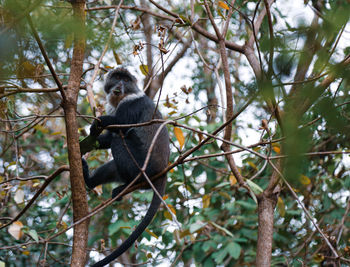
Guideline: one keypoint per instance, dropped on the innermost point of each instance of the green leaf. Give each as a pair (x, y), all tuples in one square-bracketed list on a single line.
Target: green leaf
[(208, 245), (115, 227), (222, 184), (196, 226), (220, 255), (246, 204), (255, 188), (33, 234), (222, 229), (234, 250)]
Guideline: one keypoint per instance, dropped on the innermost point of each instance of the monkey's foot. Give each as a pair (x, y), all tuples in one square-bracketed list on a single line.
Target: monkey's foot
[(116, 191)]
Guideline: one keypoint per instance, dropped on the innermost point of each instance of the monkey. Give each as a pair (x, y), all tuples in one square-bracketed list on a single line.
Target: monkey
[(127, 104)]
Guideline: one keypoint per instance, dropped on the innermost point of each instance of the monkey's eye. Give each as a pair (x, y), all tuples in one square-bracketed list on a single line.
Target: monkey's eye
[(126, 79)]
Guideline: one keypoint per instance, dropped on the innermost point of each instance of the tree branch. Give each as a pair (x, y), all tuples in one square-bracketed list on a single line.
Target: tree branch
[(48, 180), (46, 57)]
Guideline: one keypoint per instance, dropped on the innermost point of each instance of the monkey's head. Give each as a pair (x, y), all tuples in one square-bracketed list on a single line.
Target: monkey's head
[(119, 83)]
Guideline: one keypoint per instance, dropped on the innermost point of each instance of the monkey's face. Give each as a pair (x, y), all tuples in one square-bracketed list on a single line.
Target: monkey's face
[(116, 92), (119, 84)]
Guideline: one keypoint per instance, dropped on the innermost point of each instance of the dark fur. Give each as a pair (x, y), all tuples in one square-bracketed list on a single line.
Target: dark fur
[(129, 106)]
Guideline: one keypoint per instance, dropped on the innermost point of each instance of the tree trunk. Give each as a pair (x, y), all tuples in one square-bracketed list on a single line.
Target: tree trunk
[(79, 200), (266, 207)]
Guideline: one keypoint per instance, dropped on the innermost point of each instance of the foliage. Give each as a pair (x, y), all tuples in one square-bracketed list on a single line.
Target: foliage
[(300, 112)]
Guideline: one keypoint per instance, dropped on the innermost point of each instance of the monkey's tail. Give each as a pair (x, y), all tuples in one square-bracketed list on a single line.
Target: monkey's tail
[(159, 184)]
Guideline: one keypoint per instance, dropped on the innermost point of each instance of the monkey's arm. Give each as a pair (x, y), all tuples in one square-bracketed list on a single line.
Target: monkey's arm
[(106, 120), (104, 140), (95, 140)]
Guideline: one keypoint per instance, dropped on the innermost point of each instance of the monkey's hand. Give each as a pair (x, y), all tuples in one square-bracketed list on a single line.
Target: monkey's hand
[(96, 128), (86, 173)]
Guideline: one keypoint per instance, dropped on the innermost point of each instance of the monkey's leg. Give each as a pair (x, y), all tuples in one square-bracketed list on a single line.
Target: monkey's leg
[(106, 173)]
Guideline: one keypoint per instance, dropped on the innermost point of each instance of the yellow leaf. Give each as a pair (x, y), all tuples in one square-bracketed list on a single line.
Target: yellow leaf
[(144, 69), (117, 58), (41, 128), (184, 233), (318, 258), (225, 195), (192, 238), (63, 225), (171, 207), (98, 190), (151, 233), (281, 207), (15, 230), (179, 136), (304, 180), (295, 189), (135, 25), (171, 170), (223, 5), (233, 180), (169, 105), (220, 13), (165, 197), (36, 184), (251, 164), (167, 215), (26, 69), (206, 201), (26, 252), (276, 148)]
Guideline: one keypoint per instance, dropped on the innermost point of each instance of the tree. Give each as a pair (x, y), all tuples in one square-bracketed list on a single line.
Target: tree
[(280, 199)]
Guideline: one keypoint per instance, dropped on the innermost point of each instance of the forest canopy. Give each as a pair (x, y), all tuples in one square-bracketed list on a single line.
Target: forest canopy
[(255, 97)]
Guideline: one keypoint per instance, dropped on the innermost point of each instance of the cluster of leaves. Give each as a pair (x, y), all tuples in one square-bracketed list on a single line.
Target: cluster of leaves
[(218, 218)]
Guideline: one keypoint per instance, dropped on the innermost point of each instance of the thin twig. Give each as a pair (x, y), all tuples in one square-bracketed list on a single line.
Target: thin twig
[(37, 194), (46, 57), (97, 65)]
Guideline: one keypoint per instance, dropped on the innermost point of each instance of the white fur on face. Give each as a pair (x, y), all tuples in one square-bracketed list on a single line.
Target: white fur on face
[(133, 96), (113, 100)]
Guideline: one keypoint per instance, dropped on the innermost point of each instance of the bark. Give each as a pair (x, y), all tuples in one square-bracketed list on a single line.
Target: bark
[(79, 200), (209, 82), (266, 208), (148, 31)]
